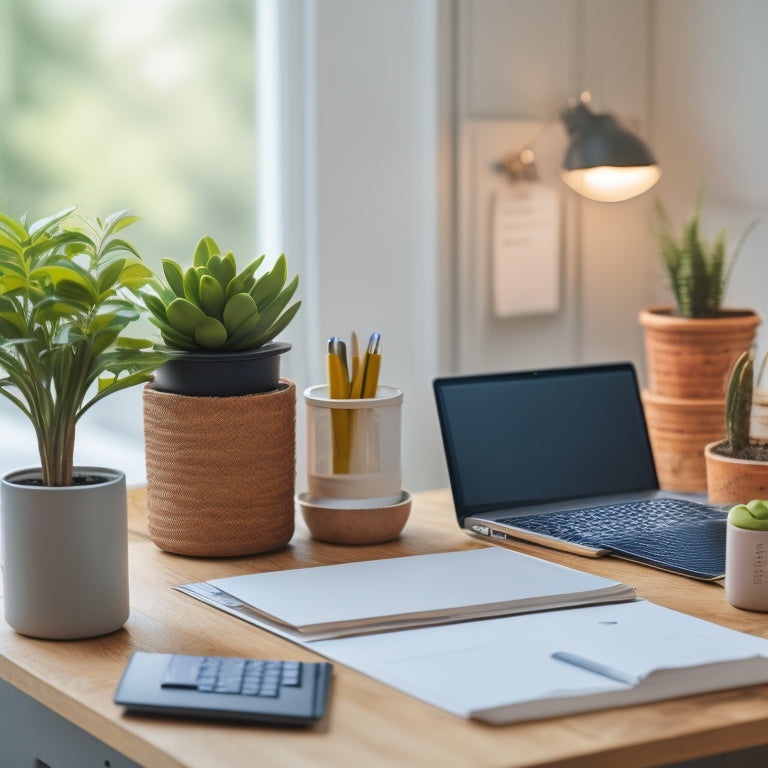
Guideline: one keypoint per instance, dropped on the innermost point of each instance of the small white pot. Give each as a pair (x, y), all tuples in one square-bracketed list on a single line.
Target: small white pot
[(746, 568), (65, 555)]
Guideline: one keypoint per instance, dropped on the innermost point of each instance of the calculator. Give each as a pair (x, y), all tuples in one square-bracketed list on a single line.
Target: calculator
[(225, 688)]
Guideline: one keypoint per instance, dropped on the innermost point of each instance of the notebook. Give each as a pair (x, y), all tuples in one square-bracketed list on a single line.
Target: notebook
[(561, 457)]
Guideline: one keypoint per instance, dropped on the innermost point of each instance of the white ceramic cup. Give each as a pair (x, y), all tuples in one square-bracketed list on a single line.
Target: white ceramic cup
[(370, 475)]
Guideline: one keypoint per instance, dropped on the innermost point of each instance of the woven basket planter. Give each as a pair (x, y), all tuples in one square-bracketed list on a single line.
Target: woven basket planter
[(220, 471)]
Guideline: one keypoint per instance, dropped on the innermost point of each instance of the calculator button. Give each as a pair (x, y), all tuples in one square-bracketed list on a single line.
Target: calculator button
[(182, 672)]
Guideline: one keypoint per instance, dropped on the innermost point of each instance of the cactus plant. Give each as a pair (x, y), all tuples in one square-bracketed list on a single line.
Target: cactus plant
[(211, 307), (738, 404), (696, 268)]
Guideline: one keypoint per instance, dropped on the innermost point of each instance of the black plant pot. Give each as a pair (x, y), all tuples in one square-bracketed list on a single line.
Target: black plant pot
[(222, 374)]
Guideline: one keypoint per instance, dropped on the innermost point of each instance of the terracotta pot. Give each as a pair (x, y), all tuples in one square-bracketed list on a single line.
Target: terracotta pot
[(679, 430), (693, 357), (734, 481)]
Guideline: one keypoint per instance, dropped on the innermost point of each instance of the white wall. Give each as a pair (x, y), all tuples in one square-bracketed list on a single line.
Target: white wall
[(710, 126), (371, 215), (520, 60)]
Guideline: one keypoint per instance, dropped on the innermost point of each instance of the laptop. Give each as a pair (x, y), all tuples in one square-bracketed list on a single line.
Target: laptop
[(562, 457)]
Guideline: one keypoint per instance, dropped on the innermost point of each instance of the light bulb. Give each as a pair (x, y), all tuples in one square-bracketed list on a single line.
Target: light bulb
[(611, 184)]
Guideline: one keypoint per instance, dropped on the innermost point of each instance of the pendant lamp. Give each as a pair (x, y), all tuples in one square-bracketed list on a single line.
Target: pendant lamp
[(605, 161)]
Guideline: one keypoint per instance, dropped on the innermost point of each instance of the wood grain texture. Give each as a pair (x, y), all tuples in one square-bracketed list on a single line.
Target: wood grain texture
[(369, 723)]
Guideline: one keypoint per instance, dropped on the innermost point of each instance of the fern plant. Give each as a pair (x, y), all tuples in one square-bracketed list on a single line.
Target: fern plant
[(695, 267), (68, 289), (211, 307)]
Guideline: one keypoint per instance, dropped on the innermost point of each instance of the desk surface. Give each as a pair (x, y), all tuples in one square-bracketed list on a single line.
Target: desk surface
[(369, 723)]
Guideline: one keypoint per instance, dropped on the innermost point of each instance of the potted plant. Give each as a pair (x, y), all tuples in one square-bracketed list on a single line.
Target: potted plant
[(68, 289), (219, 423), (692, 346), (223, 321), (690, 349), (737, 467)]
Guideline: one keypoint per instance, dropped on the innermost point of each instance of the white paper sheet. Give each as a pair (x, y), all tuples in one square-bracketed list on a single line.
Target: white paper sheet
[(474, 668)]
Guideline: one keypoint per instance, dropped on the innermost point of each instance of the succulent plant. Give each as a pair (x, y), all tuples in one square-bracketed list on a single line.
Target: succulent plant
[(212, 307), (695, 267)]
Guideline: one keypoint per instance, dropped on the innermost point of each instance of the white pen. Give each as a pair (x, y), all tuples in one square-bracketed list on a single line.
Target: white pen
[(595, 666)]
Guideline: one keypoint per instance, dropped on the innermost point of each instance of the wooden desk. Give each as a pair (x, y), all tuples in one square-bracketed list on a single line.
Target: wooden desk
[(369, 724)]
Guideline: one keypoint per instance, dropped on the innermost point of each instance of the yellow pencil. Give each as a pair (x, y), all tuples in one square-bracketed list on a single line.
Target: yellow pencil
[(338, 389)]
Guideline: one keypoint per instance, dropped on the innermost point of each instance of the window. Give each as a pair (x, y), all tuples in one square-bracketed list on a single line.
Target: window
[(147, 104)]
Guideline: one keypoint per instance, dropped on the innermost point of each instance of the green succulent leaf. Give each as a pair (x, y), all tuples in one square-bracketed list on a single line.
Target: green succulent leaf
[(155, 306), (268, 287), (221, 270), (211, 296), (252, 327), (210, 333), (244, 282), (237, 310), (204, 250), (175, 277), (177, 340), (184, 316), (192, 285)]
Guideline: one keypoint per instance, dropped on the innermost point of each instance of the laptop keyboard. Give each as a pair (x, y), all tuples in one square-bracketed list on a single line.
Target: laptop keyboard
[(673, 534)]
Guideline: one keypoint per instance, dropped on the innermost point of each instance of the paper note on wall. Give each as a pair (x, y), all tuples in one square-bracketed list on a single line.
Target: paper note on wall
[(526, 251)]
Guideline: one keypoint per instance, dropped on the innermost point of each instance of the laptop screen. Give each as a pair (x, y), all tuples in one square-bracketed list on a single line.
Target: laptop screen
[(516, 439)]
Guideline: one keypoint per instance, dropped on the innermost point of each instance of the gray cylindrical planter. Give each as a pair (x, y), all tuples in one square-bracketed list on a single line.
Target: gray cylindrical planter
[(65, 555)]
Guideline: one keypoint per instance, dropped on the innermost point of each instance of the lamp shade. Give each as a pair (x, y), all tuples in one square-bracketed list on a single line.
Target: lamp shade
[(604, 161)]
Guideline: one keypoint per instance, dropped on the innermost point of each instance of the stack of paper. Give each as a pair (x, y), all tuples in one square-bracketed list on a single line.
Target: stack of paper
[(337, 600)]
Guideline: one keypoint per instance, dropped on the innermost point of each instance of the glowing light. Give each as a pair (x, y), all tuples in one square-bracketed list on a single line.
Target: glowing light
[(611, 184)]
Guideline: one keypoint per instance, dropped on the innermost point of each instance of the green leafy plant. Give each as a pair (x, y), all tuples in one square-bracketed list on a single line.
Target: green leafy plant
[(68, 289), (212, 307), (695, 267)]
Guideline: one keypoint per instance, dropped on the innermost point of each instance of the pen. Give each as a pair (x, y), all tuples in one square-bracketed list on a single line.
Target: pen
[(595, 666), (371, 366)]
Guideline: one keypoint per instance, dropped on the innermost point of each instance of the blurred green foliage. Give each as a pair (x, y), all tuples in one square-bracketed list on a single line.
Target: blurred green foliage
[(147, 104)]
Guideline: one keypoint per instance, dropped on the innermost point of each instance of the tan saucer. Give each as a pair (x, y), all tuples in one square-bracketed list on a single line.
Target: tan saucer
[(355, 526)]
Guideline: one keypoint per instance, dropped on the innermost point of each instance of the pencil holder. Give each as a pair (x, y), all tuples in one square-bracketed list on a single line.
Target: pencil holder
[(354, 480), (353, 448)]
